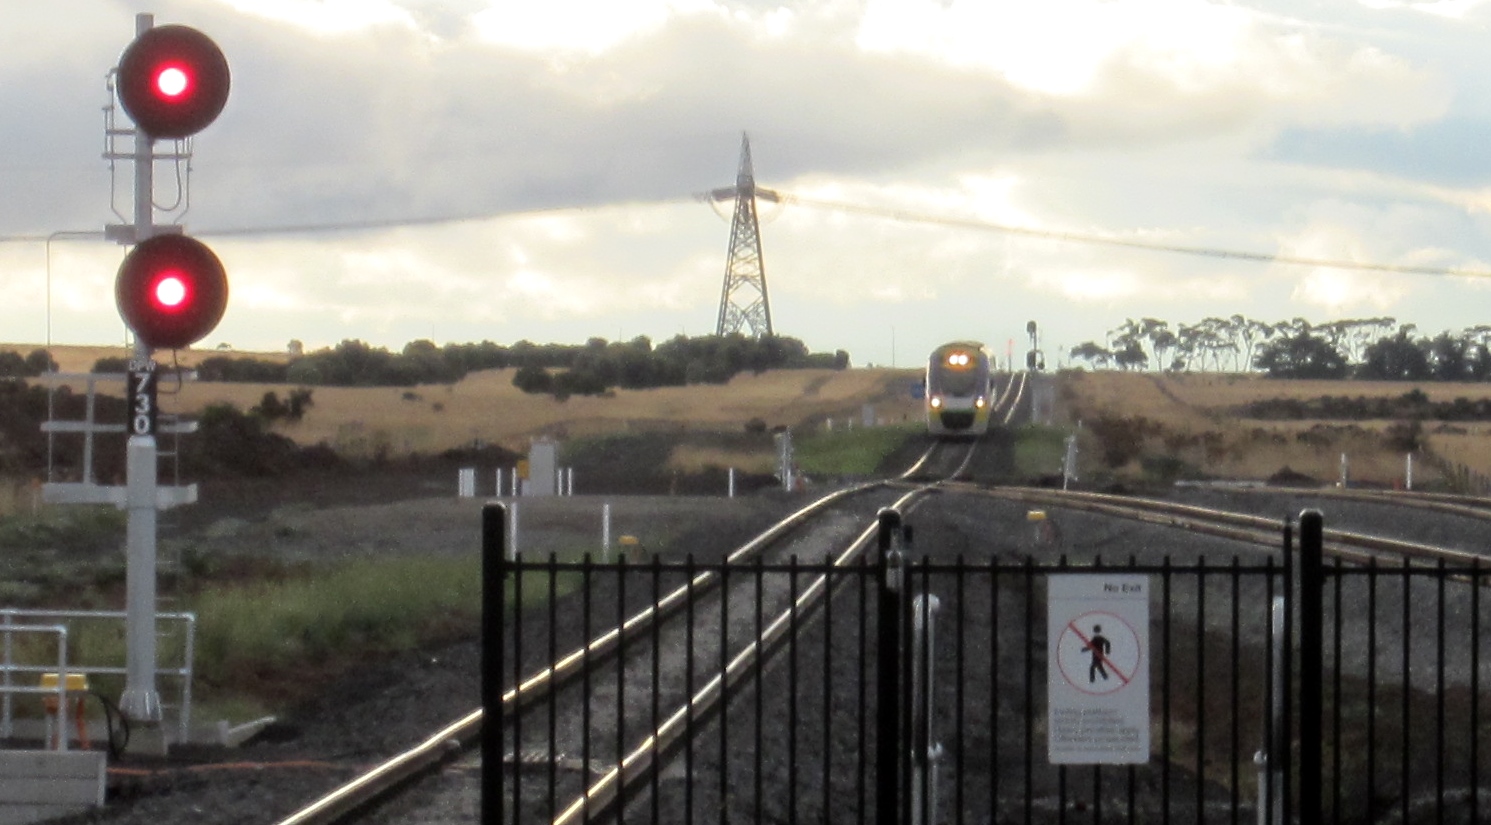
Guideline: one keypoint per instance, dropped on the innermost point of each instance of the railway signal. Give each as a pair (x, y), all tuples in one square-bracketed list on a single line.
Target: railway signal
[(173, 81), (171, 290)]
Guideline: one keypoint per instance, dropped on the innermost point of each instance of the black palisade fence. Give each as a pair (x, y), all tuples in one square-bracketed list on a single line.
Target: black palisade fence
[(819, 720)]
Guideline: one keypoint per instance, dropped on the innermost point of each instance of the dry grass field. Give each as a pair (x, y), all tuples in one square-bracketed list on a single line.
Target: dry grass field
[(1195, 415), (1194, 405), (486, 407), (82, 359)]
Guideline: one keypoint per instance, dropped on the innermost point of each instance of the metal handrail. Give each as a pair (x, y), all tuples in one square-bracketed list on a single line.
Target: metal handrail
[(9, 624), (62, 671)]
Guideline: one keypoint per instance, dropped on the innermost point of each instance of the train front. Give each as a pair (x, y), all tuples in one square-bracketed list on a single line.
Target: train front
[(957, 391)]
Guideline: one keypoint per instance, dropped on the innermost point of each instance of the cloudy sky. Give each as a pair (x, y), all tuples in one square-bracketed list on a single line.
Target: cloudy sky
[(530, 169)]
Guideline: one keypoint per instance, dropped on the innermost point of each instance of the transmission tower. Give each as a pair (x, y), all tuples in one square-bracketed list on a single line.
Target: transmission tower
[(743, 300)]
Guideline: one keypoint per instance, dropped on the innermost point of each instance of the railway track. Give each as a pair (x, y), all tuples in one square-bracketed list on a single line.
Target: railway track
[(587, 662), (661, 716), (1351, 547)]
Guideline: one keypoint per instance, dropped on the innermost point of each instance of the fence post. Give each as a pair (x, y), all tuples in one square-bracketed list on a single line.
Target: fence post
[(5, 704), (1269, 758), (606, 531), (493, 608), (926, 751), (1311, 661), (889, 741)]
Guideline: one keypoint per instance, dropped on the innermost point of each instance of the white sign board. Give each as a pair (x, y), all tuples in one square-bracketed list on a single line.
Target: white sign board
[(1098, 668)]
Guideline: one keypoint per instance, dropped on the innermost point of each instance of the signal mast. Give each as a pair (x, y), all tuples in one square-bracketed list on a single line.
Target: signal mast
[(171, 291)]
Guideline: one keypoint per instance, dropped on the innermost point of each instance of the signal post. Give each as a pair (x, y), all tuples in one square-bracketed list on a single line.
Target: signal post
[(171, 291)]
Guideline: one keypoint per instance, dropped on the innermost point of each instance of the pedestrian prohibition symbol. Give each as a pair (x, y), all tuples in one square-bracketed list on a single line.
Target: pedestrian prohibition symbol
[(1098, 653), (1098, 680)]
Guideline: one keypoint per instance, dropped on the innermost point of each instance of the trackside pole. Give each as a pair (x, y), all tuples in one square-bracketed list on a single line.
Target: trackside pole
[(140, 701), (890, 753), (926, 751), (1276, 731), (493, 610), (606, 531)]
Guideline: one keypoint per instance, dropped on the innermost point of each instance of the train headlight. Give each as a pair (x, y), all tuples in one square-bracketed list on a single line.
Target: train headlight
[(979, 402), (936, 402)]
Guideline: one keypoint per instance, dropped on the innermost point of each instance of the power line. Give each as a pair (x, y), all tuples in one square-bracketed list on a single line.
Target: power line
[(906, 215), (1078, 237)]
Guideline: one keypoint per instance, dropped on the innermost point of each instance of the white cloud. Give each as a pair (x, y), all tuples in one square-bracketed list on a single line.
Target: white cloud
[(1452, 9), (576, 25), (326, 16), (1058, 46)]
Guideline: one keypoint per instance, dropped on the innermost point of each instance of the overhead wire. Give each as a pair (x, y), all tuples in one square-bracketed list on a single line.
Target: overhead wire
[(897, 214), (1103, 240)]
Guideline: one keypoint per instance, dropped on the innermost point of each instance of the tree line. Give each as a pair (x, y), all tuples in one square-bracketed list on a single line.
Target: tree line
[(593, 368), (1367, 348)]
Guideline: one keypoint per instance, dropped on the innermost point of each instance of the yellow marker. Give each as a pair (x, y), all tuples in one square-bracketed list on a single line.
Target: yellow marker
[(75, 681)]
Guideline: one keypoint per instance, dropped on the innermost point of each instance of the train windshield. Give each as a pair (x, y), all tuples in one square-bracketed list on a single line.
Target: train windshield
[(957, 372)]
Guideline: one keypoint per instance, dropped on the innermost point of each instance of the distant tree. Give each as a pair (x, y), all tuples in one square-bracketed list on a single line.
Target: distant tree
[(12, 365), (1398, 358), (39, 361), (1131, 355), (1127, 345), (300, 401), (1450, 357), (532, 378), (1301, 355), (1092, 353), (111, 364), (1162, 341)]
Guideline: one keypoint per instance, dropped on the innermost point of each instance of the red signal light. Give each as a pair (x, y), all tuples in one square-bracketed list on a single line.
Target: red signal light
[(173, 81), (171, 290)]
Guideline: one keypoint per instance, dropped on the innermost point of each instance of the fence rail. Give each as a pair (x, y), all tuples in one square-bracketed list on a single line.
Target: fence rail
[(18, 620), (1394, 655)]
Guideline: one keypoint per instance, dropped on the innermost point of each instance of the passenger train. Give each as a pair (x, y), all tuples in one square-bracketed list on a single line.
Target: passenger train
[(959, 390)]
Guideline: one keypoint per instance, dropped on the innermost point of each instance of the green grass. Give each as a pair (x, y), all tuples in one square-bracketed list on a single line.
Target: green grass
[(850, 452), (344, 613), (1039, 450), (264, 643), (63, 528), (365, 607)]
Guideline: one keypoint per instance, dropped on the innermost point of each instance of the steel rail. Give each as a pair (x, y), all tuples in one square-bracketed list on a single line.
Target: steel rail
[(917, 470), (1009, 413), (1345, 544), (1454, 504), (637, 765), (1016, 379), (465, 732), (920, 462)]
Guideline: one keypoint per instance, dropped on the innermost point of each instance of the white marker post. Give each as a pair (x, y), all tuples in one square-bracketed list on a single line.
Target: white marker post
[(140, 700), (1098, 673)]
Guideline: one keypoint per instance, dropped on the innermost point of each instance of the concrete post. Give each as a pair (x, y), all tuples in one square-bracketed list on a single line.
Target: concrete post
[(140, 701), (605, 531)]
